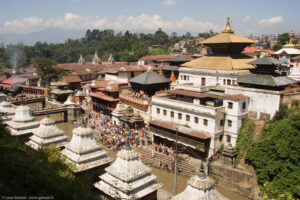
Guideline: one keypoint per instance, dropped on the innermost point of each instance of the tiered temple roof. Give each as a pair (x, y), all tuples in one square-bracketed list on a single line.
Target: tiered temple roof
[(226, 48), (200, 187), (264, 75), (83, 150), (47, 134), (128, 178), (23, 122)]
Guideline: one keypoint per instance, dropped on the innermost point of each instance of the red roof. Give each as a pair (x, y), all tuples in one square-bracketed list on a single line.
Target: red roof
[(236, 97), (251, 50)]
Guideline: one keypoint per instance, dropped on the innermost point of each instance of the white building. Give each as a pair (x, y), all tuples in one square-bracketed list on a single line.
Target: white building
[(7, 111), (203, 119)]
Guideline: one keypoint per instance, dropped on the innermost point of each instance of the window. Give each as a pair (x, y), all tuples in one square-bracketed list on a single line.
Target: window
[(172, 114), (165, 112), (222, 122), (196, 119), (221, 138), (224, 82), (184, 77), (187, 118), (229, 123), (244, 106), (188, 78), (203, 81), (228, 139), (228, 82), (157, 110), (205, 122), (179, 116), (233, 82), (132, 74), (181, 77), (230, 105)]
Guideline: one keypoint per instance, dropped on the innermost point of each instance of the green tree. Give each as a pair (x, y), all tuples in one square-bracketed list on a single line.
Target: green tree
[(3, 57), (45, 67), (26, 172), (283, 38), (275, 156)]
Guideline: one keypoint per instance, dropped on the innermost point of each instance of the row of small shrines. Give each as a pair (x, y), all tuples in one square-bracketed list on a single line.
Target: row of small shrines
[(125, 178)]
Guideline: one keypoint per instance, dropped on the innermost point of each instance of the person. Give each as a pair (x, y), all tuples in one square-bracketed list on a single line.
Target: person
[(173, 166)]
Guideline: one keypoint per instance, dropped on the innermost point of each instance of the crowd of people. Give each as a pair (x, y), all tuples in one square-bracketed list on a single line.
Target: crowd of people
[(140, 95), (115, 136)]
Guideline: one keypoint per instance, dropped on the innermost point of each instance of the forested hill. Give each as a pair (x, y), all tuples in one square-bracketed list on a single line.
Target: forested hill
[(123, 46)]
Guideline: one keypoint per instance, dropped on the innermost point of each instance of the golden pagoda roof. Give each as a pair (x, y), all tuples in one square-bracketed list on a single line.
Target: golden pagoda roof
[(227, 36), (221, 62)]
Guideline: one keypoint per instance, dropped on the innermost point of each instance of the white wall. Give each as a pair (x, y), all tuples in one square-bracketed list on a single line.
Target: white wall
[(261, 101)]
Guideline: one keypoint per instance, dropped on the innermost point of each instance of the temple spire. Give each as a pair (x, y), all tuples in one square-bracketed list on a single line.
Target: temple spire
[(228, 28)]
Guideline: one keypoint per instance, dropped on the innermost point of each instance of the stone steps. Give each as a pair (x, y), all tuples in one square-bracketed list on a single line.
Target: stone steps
[(186, 167)]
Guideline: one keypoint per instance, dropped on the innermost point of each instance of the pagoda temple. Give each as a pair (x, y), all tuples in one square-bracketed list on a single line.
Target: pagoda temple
[(200, 187), (223, 65), (128, 178), (47, 133), (264, 76), (149, 82), (23, 122), (83, 150), (6, 110)]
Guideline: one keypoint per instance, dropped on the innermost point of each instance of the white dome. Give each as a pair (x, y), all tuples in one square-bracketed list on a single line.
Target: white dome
[(23, 114)]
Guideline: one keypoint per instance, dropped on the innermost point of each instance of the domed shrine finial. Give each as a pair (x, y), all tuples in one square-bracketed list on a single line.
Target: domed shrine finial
[(228, 28)]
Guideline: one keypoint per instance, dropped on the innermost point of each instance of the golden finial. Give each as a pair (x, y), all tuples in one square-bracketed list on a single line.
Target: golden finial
[(228, 28), (161, 72)]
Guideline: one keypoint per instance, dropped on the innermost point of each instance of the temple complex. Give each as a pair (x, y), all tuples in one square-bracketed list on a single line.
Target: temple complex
[(200, 187), (130, 119), (6, 110), (128, 178), (223, 66), (23, 123), (47, 133), (83, 150)]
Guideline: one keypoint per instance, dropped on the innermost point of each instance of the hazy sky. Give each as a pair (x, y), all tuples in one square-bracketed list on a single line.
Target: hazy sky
[(181, 16)]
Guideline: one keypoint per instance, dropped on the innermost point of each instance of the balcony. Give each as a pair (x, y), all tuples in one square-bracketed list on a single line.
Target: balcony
[(189, 107), (134, 100)]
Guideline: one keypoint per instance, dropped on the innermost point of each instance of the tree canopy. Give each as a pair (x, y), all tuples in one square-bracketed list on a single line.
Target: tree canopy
[(276, 157), (26, 172)]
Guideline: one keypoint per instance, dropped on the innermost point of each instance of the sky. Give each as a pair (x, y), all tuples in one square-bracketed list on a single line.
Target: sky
[(247, 17)]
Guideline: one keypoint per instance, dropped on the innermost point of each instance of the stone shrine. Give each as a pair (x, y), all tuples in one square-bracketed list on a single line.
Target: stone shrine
[(83, 150), (47, 133), (23, 123), (200, 187), (128, 178)]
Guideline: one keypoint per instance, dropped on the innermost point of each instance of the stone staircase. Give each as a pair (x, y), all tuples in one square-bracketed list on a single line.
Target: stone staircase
[(187, 166)]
